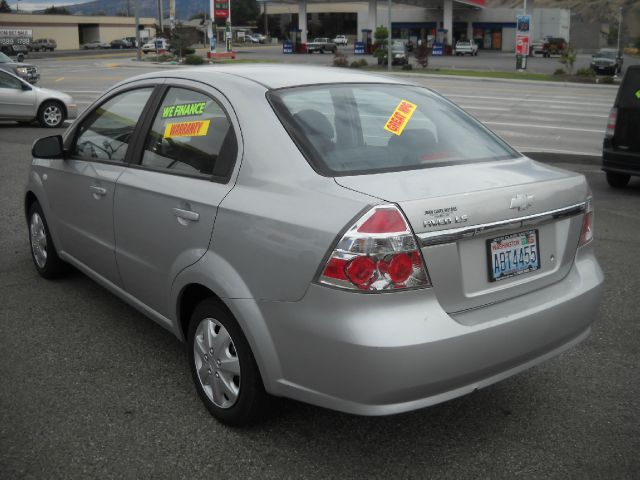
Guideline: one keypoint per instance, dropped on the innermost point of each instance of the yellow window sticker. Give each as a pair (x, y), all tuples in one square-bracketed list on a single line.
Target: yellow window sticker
[(187, 129), (183, 110), (400, 117)]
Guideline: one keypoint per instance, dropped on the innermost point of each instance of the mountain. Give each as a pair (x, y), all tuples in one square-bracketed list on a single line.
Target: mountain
[(147, 8)]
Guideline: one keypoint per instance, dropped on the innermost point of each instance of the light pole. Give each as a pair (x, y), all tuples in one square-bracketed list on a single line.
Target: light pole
[(389, 35), (619, 28)]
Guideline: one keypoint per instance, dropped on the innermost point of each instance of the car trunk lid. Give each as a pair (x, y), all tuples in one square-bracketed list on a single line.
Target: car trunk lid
[(457, 211)]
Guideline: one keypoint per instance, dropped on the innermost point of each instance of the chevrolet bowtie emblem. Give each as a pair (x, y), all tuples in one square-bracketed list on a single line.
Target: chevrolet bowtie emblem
[(521, 201)]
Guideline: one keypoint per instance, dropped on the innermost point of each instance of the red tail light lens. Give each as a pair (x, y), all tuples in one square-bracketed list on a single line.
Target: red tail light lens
[(586, 235), (379, 252), (611, 123)]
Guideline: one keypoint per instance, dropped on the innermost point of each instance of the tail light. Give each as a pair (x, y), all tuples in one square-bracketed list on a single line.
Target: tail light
[(378, 253), (611, 123), (586, 234)]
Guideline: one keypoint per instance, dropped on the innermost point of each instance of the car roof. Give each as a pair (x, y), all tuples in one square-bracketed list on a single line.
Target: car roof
[(274, 76)]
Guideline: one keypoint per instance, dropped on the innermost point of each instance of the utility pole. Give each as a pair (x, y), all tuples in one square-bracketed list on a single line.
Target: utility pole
[(619, 28), (389, 35), (138, 42)]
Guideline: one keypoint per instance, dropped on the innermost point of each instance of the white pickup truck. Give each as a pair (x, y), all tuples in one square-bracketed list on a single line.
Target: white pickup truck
[(341, 40), (321, 45), (464, 47)]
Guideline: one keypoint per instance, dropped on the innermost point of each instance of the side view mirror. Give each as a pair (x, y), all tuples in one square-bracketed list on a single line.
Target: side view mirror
[(48, 147), (26, 86)]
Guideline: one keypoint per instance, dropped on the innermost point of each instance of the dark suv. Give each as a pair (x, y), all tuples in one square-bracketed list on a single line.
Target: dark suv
[(621, 148)]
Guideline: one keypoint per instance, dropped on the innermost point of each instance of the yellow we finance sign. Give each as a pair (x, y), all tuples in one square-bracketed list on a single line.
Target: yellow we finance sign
[(198, 128), (400, 117)]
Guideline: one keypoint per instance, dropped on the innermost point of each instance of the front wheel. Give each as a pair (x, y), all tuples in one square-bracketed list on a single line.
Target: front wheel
[(43, 252), (51, 114), (617, 180), (223, 367)]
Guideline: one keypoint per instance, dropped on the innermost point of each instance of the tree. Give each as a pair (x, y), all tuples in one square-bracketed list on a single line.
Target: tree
[(53, 10), (4, 7), (380, 44), (199, 15), (568, 58), (244, 11)]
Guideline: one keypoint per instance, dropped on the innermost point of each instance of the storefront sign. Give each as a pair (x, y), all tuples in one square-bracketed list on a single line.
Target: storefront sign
[(522, 45), (221, 9)]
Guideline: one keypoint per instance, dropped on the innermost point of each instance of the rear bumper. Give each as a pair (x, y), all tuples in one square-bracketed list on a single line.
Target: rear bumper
[(389, 353), (620, 162)]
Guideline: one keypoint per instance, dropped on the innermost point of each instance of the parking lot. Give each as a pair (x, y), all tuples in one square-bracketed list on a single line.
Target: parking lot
[(93, 389)]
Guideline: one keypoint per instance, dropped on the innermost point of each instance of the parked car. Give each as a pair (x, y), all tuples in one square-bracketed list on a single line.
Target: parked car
[(621, 147), (43, 44), (25, 103), (252, 38), (464, 47), (341, 40), (151, 45), (548, 46), (303, 245), (120, 43), (321, 45), (398, 54), (133, 42), (13, 50), (607, 61), (23, 70), (96, 44)]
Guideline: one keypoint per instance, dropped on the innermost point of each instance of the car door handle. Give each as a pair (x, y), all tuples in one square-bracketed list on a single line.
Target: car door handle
[(186, 214), (98, 190)]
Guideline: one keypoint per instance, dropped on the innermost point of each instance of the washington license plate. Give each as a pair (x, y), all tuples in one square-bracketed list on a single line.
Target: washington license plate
[(512, 255)]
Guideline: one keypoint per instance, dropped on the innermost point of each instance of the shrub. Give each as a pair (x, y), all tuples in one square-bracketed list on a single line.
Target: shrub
[(340, 60), (359, 63), (568, 58), (165, 57), (193, 60), (559, 71), (188, 51), (585, 72), (407, 66)]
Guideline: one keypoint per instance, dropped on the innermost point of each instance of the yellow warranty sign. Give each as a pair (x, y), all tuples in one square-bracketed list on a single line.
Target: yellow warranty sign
[(187, 129), (400, 117)]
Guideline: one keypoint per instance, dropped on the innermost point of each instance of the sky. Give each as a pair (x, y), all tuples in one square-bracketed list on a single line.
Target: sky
[(40, 4)]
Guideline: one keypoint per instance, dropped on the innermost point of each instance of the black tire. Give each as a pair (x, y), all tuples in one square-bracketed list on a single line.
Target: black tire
[(617, 180), (51, 114), (52, 267), (250, 404)]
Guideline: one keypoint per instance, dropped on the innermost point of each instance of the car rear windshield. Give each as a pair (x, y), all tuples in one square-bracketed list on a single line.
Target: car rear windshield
[(353, 129)]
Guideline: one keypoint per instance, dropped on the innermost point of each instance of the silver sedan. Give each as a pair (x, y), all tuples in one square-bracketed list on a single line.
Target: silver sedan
[(347, 240), (23, 102)]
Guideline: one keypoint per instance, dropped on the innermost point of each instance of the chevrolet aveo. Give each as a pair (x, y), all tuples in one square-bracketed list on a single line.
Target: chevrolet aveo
[(342, 239)]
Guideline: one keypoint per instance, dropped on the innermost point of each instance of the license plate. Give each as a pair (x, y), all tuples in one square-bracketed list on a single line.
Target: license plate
[(512, 255)]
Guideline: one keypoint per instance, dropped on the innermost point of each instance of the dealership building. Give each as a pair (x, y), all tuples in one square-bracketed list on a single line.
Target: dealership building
[(71, 31)]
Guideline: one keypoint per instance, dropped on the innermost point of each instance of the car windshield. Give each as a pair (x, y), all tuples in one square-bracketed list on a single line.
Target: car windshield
[(606, 54), (464, 43), (5, 59), (371, 128)]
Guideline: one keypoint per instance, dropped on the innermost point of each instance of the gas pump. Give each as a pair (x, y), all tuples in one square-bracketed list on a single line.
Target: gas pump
[(294, 34)]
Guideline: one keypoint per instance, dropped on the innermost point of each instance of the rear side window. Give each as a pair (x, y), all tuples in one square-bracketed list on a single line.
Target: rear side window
[(106, 132), (629, 94), (359, 129), (191, 135)]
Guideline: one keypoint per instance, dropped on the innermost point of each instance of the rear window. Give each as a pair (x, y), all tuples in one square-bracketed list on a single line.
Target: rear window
[(629, 94), (351, 129)]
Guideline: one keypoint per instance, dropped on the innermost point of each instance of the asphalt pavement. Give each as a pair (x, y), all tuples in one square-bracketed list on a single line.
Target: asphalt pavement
[(92, 389)]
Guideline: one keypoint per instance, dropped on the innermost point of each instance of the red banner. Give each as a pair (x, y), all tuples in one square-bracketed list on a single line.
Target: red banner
[(522, 45), (221, 9)]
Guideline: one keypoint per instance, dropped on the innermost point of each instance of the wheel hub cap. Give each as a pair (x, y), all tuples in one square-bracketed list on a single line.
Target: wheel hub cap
[(217, 363), (52, 115), (38, 240)]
